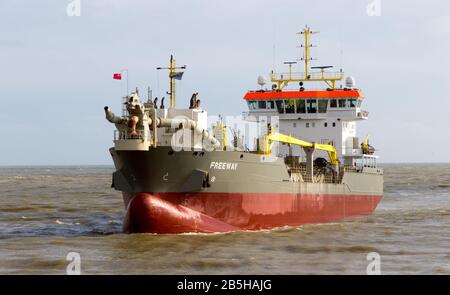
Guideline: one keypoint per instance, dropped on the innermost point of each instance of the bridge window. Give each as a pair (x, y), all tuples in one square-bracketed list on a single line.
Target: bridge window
[(252, 105), (262, 104), (280, 106), (271, 104), (290, 106), (358, 103), (311, 106), (333, 103), (342, 103), (323, 104), (301, 106), (351, 103)]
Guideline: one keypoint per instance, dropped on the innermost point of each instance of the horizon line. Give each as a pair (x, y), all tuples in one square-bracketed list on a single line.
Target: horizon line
[(112, 165)]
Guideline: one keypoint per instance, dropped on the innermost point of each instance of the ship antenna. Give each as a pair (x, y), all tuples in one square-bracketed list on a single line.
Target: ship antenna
[(149, 93), (173, 75), (290, 63), (306, 45)]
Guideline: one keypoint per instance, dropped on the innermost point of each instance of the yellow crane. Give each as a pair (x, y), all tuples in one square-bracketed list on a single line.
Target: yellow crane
[(278, 137)]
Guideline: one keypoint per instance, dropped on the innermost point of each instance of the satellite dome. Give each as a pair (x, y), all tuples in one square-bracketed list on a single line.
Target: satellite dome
[(350, 82), (262, 80)]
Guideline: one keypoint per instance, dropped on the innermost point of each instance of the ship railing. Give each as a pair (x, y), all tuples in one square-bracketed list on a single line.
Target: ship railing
[(311, 76), (251, 117), (348, 168), (320, 178), (353, 152), (124, 135), (324, 178)]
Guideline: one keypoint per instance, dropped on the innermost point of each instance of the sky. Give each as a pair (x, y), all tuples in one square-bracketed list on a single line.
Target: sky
[(56, 69)]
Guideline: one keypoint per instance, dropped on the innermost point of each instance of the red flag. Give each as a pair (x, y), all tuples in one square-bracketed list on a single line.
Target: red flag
[(117, 76)]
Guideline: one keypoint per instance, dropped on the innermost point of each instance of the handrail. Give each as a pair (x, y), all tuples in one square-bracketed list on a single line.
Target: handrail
[(311, 76), (123, 135)]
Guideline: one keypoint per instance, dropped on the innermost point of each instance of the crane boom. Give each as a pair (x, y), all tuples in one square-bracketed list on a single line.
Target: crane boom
[(278, 137)]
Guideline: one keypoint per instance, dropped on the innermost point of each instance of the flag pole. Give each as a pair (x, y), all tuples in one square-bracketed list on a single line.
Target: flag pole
[(126, 95), (126, 70)]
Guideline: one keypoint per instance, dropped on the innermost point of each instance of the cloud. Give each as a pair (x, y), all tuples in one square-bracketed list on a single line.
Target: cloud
[(8, 43), (439, 25)]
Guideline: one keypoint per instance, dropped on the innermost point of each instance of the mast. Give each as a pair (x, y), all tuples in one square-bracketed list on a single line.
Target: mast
[(173, 75), (310, 74), (306, 57)]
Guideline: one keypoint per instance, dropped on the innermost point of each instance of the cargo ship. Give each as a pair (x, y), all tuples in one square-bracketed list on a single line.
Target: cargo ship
[(307, 165)]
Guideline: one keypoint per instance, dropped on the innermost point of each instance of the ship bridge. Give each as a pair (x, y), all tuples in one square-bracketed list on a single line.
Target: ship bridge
[(307, 105), (326, 115)]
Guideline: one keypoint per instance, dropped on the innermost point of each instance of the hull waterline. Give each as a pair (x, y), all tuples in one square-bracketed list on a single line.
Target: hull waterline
[(225, 212)]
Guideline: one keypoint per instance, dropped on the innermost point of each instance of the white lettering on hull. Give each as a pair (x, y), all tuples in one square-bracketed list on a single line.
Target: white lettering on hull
[(223, 166)]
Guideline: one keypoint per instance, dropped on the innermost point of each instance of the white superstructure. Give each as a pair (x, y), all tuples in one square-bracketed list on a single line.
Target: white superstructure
[(326, 116)]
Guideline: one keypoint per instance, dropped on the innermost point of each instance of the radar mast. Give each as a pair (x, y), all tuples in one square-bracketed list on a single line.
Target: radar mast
[(309, 75), (173, 75)]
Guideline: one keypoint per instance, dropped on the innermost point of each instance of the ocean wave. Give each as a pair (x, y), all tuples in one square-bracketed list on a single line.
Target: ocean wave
[(57, 221), (440, 186)]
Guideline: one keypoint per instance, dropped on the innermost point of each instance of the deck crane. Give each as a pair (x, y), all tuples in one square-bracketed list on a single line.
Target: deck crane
[(278, 137)]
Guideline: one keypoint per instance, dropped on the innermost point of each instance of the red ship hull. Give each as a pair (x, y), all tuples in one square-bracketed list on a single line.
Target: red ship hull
[(224, 212)]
